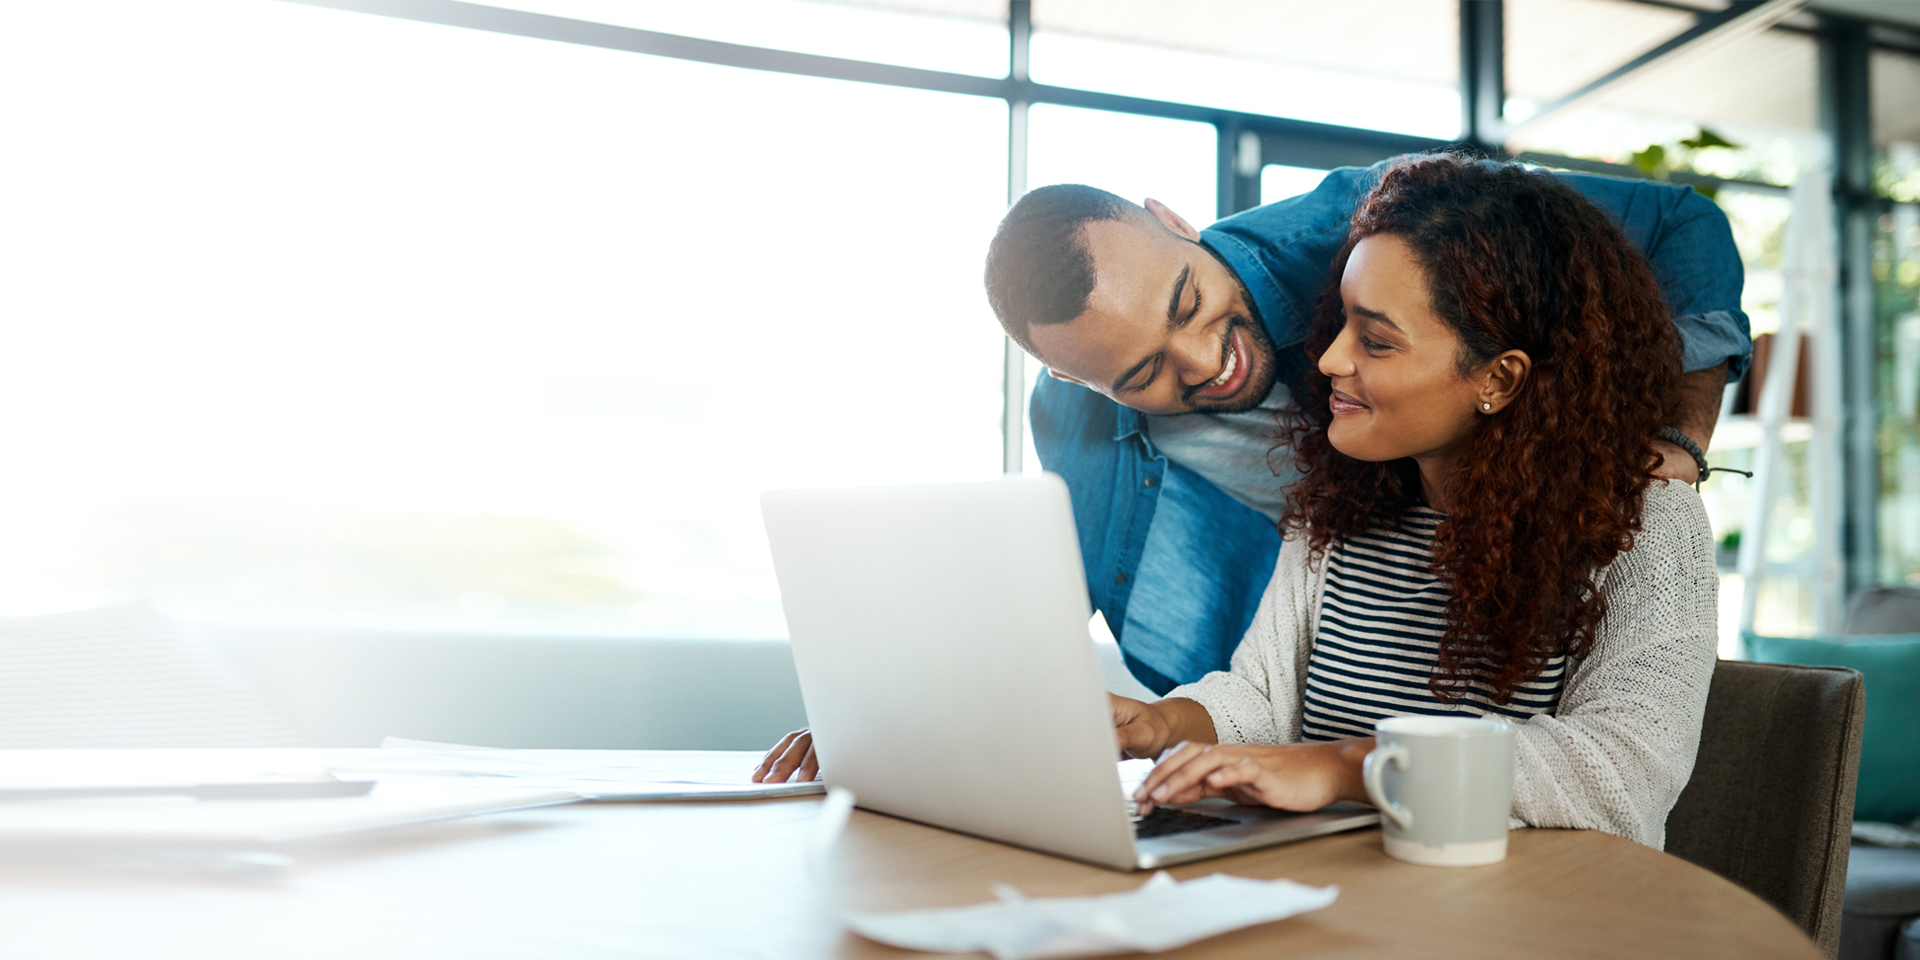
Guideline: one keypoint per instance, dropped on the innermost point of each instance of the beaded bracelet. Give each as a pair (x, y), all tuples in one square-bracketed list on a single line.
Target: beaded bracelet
[(1684, 442)]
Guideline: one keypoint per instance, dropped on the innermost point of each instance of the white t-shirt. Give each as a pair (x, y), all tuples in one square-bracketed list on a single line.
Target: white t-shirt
[(1235, 451)]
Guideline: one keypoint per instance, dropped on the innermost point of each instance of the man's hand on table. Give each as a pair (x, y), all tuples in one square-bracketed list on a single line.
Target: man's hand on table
[(1139, 726), (792, 758)]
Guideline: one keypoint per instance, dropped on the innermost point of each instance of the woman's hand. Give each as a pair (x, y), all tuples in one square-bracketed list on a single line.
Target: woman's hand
[(1292, 776), (792, 757)]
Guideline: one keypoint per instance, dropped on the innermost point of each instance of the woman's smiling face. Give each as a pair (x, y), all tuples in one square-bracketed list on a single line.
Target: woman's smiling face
[(1397, 387)]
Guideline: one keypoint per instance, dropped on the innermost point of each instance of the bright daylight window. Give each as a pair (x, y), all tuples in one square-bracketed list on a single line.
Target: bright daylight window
[(965, 36), (1278, 181), (1265, 58), (319, 314)]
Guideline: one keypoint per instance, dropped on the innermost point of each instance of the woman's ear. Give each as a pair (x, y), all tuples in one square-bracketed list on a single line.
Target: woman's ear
[(1501, 380)]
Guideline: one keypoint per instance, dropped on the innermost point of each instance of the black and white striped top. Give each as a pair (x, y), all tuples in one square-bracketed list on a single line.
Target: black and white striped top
[(1381, 619)]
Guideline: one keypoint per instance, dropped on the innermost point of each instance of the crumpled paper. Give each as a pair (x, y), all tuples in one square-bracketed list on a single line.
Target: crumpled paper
[(1160, 915)]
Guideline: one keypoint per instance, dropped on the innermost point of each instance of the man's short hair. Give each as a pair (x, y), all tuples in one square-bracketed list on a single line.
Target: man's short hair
[(1038, 267)]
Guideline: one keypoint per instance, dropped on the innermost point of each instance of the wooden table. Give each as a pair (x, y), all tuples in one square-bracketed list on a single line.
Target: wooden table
[(731, 880)]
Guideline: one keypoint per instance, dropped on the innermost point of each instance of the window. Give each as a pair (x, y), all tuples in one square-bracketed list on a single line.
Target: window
[(1896, 274), (1135, 157), (1278, 181), (965, 36), (1283, 60), (314, 312)]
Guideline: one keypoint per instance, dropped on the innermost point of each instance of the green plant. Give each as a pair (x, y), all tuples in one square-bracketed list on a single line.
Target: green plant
[(1660, 161)]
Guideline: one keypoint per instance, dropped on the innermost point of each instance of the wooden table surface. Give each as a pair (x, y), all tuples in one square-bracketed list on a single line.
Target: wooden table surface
[(731, 880)]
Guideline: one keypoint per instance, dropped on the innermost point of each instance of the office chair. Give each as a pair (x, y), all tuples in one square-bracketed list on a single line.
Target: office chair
[(1770, 804), (1883, 885), (1883, 610)]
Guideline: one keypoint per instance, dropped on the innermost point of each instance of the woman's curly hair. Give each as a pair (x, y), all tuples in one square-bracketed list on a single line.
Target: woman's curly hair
[(1551, 488)]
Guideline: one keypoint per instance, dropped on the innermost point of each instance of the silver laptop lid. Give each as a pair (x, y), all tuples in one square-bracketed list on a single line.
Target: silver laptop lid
[(940, 637)]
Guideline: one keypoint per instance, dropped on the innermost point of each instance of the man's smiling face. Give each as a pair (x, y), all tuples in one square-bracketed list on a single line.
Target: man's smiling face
[(1167, 328)]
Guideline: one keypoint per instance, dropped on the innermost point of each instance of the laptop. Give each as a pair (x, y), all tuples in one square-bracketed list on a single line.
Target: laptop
[(940, 635)]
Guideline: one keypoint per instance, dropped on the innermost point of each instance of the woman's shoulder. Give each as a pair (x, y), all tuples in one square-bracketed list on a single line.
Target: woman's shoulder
[(1674, 530), (1675, 509)]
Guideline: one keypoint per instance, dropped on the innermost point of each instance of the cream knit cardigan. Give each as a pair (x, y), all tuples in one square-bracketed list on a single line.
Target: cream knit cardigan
[(1616, 752)]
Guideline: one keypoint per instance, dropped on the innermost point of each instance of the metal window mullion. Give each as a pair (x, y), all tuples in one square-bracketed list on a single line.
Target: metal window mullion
[(1483, 74), (1013, 373), (1845, 88)]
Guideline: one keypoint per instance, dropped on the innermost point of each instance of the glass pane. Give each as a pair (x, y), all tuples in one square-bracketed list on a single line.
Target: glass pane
[(1554, 47), (1136, 157), (1785, 604), (1896, 270), (1380, 64), (426, 323), (964, 37), (1302, 93), (1895, 100), (1756, 94), (1278, 182)]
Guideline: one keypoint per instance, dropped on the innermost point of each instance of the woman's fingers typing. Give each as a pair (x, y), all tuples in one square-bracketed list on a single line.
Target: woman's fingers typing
[(1288, 776), (1179, 776)]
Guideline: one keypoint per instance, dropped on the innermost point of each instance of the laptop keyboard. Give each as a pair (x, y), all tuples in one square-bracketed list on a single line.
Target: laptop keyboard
[(1165, 820)]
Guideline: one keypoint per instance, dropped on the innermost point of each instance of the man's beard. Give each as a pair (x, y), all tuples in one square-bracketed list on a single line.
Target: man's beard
[(1262, 363), (1263, 358)]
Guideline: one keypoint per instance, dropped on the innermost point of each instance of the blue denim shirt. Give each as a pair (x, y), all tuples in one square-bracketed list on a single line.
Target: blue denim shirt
[(1177, 565)]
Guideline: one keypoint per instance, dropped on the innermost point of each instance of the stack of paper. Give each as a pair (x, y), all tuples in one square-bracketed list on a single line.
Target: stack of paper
[(269, 821), (604, 775), (211, 809)]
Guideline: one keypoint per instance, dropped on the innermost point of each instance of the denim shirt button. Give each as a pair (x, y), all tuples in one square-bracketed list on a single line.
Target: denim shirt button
[(1120, 578), (1152, 481)]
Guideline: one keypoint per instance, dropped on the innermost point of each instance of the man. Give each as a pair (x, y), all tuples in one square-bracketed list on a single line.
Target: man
[(1172, 350)]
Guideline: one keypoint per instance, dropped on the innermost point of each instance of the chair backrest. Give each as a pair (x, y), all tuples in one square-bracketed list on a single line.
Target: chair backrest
[(1770, 805), (1878, 610)]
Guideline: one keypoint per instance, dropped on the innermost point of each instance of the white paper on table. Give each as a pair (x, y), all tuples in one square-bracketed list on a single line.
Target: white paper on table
[(246, 824), (1160, 915), (610, 775)]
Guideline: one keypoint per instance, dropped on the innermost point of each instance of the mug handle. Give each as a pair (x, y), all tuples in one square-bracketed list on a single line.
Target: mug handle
[(1370, 771)]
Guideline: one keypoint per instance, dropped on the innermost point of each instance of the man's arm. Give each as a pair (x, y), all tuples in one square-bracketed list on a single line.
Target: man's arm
[(1696, 412), (1688, 242)]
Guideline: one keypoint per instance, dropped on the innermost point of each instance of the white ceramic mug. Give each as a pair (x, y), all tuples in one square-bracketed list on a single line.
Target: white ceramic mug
[(1444, 786)]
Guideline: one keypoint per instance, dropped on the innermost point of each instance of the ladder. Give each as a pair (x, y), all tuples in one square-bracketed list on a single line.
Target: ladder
[(1807, 309)]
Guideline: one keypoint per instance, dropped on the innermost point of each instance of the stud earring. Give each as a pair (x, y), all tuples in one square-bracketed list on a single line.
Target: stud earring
[(1486, 406)]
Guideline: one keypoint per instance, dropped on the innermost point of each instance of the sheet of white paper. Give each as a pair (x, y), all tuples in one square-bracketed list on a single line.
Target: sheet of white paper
[(608, 775), (1132, 774), (79, 768), (1160, 915), (250, 823)]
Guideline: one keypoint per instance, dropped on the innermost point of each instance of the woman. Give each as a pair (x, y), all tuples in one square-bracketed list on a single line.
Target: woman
[(1477, 529)]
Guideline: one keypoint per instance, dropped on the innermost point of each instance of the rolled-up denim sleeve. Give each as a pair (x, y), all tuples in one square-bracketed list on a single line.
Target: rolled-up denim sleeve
[(1689, 243), (1701, 274)]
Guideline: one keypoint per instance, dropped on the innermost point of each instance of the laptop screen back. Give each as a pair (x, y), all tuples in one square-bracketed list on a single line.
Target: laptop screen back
[(940, 637)]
